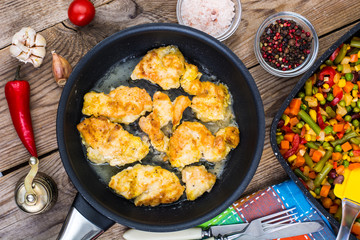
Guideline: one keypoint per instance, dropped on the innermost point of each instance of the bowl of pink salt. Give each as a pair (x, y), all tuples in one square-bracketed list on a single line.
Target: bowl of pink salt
[(218, 18)]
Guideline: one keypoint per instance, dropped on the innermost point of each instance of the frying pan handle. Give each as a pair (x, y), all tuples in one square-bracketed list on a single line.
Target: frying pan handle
[(83, 222)]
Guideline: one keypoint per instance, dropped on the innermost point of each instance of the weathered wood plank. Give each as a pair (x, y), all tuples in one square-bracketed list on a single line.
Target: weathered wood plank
[(39, 15)]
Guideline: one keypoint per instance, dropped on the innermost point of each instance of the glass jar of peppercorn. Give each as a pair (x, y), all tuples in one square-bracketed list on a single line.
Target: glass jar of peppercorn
[(286, 44)]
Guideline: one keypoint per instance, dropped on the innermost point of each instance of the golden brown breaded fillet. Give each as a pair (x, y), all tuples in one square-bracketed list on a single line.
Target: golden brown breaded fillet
[(163, 66), (122, 105), (180, 104), (198, 181), (211, 100), (109, 142), (192, 141), (164, 112), (163, 108), (149, 185), (151, 126)]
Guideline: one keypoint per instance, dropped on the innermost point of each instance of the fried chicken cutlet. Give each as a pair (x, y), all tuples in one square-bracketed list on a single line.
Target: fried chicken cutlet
[(192, 141), (198, 181), (121, 105), (163, 66), (149, 185), (211, 101), (109, 142), (164, 111)]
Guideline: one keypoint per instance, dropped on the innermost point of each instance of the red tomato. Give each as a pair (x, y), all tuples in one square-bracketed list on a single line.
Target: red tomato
[(81, 12)]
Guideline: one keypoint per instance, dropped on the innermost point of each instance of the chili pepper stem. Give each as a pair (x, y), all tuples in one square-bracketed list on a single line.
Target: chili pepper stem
[(17, 73)]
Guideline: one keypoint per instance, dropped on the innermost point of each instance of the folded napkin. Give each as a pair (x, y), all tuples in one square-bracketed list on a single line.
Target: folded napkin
[(275, 198)]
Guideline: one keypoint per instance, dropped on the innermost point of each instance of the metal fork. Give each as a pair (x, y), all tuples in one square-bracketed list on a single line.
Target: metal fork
[(263, 225)]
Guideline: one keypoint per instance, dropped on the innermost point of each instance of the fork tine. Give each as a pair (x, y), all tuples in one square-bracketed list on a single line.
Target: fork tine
[(276, 214), (277, 219)]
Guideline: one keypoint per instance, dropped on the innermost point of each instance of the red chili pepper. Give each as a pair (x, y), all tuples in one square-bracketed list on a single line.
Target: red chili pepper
[(328, 71), (320, 120), (334, 54), (294, 145), (337, 98), (17, 93)]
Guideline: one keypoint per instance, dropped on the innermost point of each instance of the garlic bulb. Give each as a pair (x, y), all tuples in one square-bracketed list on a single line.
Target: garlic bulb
[(28, 46)]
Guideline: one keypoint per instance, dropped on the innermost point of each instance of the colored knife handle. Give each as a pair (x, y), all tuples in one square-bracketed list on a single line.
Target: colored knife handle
[(191, 233)]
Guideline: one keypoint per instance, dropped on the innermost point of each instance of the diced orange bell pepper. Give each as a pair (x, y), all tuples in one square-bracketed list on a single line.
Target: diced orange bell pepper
[(353, 166), (348, 87), (340, 170), (333, 209), (336, 90), (293, 121), (316, 156), (295, 106), (346, 147), (287, 111), (289, 137), (324, 192), (354, 57), (336, 156), (338, 127), (356, 228), (312, 175), (355, 146), (284, 144), (299, 161)]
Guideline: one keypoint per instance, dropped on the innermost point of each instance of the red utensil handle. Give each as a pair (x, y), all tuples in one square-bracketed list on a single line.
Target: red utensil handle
[(17, 93)]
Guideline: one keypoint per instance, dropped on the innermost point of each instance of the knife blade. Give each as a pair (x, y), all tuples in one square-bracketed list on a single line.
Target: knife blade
[(287, 230), (191, 233)]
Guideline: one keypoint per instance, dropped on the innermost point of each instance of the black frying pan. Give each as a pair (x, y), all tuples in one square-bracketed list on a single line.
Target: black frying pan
[(197, 47), (355, 31)]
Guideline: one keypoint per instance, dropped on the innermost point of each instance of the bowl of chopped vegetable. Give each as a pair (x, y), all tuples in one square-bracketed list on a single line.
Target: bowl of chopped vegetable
[(316, 133), (218, 18), (286, 44)]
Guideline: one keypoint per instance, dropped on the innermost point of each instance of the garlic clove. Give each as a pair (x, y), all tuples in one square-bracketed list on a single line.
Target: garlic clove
[(61, 69), (40, 41), (38, 51), (24, 56), (36, 61), (15, 51)]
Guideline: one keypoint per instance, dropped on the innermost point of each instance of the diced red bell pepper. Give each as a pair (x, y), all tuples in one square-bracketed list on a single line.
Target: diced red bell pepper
[(286, 129), (334, 54), (328, 71), (337, 98), (303, 141), (340, 134), (356, 153), (294, 147), (320, 120)]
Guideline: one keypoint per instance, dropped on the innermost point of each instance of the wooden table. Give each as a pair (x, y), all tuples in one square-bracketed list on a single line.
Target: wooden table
[(331, 20)]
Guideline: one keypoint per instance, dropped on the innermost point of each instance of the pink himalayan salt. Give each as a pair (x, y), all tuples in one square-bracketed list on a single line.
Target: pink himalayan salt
[(211, 16)]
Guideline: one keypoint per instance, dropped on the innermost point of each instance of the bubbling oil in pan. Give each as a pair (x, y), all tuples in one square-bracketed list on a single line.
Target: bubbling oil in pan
[(119, 74)]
